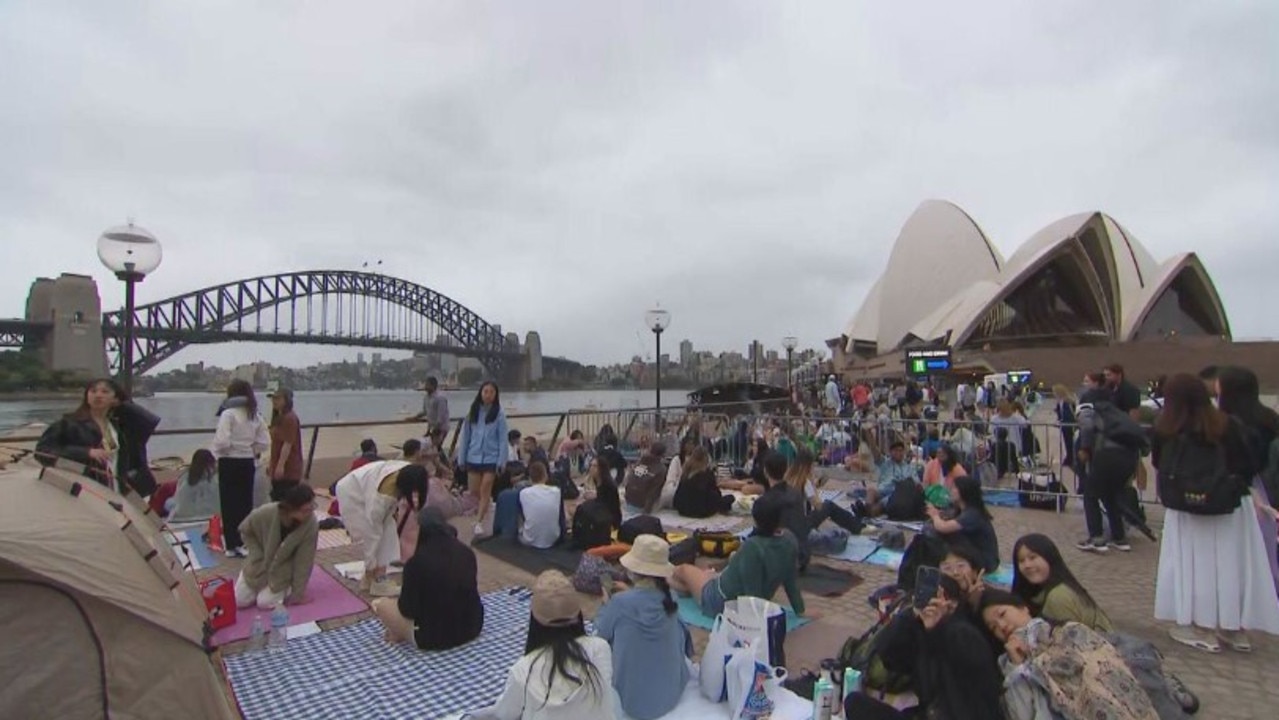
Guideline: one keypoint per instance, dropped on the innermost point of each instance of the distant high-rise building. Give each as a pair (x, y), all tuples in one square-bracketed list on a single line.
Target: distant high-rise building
[(359, 358), (686, 353), (377, 358), (771, 356)]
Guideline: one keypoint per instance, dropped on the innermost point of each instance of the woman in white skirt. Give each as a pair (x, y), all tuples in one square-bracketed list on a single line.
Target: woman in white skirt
[(1214, 576)]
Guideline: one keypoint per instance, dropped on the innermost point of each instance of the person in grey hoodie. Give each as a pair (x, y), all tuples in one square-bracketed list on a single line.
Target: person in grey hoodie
[(650, 643)]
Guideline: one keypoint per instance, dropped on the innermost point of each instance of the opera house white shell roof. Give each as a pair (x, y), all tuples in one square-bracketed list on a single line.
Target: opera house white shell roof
[(1081, 279)]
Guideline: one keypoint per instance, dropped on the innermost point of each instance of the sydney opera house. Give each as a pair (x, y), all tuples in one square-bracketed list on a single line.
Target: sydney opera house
[(1082, 287)]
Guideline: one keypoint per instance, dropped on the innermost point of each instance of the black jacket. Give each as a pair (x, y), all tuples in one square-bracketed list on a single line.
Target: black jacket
[(72, 438), (955, 674), (440, 594), (698, 496)]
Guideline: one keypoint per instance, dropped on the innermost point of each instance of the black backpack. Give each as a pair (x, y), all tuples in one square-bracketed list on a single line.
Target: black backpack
[(563, 479), (1194, 477), (1270, 473), (640, 525), (862, 654), (592, 525), (1114, 426), (907, 502)]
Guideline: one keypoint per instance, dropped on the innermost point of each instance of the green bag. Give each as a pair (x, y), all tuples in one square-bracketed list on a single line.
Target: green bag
[(937, 496), (861, 653)]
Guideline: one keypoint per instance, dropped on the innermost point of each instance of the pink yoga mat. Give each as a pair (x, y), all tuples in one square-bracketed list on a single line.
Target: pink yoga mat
[(329, 599)]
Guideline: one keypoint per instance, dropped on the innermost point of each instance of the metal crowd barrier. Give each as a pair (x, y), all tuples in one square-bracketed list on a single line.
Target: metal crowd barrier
[(637, 428)]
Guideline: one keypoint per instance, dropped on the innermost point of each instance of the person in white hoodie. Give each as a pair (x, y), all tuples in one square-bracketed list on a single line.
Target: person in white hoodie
[(240, 439), (564, 674), (368, 496)]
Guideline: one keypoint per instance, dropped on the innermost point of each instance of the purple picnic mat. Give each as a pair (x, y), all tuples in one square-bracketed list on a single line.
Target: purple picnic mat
[(329, 599)]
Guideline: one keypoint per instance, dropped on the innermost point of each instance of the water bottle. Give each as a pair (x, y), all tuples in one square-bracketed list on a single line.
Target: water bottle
[(257, 635), (279, 628), (852, 683), (823, 698)]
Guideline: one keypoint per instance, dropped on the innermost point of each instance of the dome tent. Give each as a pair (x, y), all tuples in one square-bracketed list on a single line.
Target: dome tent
[(99, 618)]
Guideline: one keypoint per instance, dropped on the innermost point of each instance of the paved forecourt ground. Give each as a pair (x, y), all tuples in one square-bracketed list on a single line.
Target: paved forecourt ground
[(1231, 686)]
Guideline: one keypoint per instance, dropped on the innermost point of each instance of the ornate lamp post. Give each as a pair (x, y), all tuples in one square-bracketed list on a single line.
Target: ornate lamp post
[(657, 321), (790, 343), (131, 253)]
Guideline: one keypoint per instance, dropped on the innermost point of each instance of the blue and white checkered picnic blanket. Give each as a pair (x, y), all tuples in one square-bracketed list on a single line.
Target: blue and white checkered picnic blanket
[(352, 673)]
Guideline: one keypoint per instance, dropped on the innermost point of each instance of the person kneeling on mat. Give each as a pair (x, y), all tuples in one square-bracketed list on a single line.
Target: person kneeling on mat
[(280, 538)]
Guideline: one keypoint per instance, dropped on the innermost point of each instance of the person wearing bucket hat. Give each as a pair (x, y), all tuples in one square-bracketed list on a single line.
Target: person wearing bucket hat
[(650, 643), (564, 674)]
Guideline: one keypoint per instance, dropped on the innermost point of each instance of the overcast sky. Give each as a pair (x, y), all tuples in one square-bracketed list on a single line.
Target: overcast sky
[(562, 166)]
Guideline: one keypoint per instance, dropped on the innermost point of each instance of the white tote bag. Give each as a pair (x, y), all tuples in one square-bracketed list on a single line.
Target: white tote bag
[(719, 648), (745, 622), (757, 621)]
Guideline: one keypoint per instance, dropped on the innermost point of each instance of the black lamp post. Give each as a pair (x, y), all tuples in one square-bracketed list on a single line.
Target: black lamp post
[(131, 253), (658, 320), (790, 344)]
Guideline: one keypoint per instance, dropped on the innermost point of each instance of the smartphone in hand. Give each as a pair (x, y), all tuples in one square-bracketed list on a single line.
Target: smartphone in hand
[(927, 582)]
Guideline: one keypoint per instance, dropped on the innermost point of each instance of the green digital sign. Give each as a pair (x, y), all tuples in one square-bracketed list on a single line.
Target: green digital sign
[(928, 361)]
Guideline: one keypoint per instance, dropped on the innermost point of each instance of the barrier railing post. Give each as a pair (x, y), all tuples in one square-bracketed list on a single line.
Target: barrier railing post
[(555, 436), (456, 432), (310, 453)]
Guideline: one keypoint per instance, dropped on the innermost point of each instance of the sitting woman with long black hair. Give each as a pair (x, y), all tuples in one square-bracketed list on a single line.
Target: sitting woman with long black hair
[(564, 674), (1048, 587), (952, 668), (974, 522), (1065, 671), (439, 605)]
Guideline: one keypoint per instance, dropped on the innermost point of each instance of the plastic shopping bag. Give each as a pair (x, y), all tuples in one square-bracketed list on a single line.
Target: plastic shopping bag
[(752, 683), (719, 648), (755, 620), (745, 622)]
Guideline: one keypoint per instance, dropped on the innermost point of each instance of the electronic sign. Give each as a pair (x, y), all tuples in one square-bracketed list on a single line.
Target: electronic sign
[(928, 361), (1019, 377)]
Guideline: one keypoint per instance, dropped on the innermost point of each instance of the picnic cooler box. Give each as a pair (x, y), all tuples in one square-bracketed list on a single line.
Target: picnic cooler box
[(219, 598)]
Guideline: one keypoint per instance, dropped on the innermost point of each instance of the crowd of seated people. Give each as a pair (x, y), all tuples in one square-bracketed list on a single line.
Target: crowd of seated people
[(969, 650)]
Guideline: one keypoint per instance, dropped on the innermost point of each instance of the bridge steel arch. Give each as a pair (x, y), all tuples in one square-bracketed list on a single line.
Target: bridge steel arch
[(218, 314)]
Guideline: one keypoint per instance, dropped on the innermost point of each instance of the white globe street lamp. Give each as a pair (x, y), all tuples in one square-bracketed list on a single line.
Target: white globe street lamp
[(658, 320), (790, 343), (131, 253)]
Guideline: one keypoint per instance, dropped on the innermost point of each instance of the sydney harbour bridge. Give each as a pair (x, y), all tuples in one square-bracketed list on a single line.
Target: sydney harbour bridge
[(65, 323)]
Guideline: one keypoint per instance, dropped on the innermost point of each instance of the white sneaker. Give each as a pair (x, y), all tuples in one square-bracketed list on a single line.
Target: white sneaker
[(232, 553), (478, 530), (384, 588)]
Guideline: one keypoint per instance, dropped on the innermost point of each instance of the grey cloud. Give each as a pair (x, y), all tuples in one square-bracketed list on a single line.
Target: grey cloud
[(562, 165)]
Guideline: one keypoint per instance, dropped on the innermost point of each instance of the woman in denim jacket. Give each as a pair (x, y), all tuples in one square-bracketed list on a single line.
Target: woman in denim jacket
[(483, 447)]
